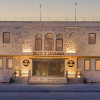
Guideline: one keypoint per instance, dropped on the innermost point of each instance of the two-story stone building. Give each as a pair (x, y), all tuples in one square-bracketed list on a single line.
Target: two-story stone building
[(50, 49)]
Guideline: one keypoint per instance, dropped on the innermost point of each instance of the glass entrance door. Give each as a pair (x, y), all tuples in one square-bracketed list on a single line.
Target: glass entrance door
[(40, 68), (36, 68), (44, 68), (48, 68)]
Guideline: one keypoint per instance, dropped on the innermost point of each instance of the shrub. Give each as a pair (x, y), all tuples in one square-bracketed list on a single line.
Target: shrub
[(85, 81), (11, 80)]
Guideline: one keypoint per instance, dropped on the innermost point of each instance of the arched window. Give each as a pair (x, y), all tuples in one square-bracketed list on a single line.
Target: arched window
[(38, 42), (59, 42), (49, 42)]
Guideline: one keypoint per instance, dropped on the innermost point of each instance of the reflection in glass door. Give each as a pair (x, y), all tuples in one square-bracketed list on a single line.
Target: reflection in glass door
[(60, 68), (48, 68), (40, 68), (44, 68), (36, 68), (52, 68)]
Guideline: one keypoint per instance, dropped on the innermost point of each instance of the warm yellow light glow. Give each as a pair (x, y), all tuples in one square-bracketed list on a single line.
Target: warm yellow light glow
[(27, 45), (27, 50), (71, 74), (17, 73), (17, 70), (71, 51), (25, 73), (71, 27), (78, 76), (71, 46)]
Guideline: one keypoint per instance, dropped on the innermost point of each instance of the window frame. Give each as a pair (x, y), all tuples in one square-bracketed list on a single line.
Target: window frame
[(89, 65), (95, 64), (89, 37), (56, 43), (46, 38), (2, 63), (7, 63), (4, 39), (38, 39)]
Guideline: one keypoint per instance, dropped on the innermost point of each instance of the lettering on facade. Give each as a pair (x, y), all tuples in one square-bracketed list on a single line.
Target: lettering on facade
[(48, 53), (26, 62), (70, 63)]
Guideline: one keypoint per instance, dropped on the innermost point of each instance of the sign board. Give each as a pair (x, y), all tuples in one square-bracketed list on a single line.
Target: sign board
[(48, 53), (70, 63), (26, 62)]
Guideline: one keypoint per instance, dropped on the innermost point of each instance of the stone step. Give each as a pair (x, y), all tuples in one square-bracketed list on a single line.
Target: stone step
[(20, 80), (50, 80), (75, 80)]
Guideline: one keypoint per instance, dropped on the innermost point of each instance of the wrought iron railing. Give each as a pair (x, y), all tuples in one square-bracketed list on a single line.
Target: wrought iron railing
[(49, 19)]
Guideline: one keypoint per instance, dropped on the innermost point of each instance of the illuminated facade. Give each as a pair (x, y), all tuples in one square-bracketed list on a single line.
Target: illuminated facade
[(50, 49)]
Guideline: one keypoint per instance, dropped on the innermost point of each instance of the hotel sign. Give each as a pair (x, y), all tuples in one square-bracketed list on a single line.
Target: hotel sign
[(26, 62), (70, 63), (48, 53)]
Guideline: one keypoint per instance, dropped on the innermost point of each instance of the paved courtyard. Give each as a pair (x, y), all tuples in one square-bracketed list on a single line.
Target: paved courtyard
[(50, 92)]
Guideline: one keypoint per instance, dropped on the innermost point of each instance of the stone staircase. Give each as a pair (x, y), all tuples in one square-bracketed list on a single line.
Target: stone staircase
[(47, 80), (75, 80), (21, 80)]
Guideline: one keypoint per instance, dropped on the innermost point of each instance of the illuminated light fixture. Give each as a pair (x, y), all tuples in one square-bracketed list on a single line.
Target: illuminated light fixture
[(27, 50), (25, 73), (17, 73), (17, 70), (71, 51), (78, 76), (71, 74)]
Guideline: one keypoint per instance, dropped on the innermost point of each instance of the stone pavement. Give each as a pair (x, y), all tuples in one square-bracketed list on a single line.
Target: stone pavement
[(50, 88)]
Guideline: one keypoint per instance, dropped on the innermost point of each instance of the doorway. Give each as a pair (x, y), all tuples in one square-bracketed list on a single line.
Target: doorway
[(48, 68)]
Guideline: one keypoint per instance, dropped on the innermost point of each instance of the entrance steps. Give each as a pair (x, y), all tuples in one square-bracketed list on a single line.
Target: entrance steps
[(21, 80), (75, 80), (47, 80)]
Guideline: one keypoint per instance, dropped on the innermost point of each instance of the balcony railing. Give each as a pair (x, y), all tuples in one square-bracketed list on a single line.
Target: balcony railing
[(49, 19)]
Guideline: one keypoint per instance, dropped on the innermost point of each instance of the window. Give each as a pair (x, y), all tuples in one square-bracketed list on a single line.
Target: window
[(1, 65), (10, 63), (59, 42), (87, 64), (6, 37), (98, 64), (38, 42), (92, 38), (49, 42)]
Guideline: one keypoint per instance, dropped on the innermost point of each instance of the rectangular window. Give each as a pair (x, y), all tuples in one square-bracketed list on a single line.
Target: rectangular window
[(59, 45), (1, 65), (92, 38), (87, 64), (98, 64), (6, 37), (10, 63)]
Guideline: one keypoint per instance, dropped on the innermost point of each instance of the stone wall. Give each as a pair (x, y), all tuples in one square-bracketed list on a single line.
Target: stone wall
[(75, 37)]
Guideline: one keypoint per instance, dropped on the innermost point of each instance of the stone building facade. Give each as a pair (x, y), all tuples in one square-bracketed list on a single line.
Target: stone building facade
[(50, 49)]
